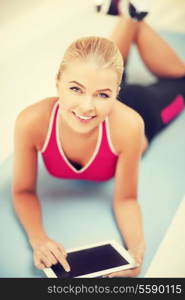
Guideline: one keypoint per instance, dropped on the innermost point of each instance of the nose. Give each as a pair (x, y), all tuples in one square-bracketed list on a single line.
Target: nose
[(87, 105)]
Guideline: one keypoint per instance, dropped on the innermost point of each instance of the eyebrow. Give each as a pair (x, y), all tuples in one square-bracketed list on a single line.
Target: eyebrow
[(76, 82)]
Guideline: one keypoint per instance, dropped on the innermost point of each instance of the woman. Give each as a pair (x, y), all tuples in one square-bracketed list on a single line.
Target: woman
[(78, 137), (88, 113)]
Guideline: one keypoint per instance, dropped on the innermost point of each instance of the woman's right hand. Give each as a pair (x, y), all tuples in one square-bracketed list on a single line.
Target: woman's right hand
[(47, 252)]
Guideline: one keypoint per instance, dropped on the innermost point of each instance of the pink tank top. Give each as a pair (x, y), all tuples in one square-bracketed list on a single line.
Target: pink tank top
[(101, 165)]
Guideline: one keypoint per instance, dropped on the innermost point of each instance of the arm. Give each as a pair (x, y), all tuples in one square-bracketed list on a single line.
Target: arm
[(25, 200), (125, 204)]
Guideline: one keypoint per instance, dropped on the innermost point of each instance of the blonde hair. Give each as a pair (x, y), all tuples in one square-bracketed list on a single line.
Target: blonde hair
[(101, 50)]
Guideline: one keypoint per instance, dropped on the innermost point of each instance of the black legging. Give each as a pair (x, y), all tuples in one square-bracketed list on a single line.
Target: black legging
[(158, 103)]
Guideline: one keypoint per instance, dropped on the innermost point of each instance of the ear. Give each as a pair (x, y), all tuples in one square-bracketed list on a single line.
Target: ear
[(118, 90)]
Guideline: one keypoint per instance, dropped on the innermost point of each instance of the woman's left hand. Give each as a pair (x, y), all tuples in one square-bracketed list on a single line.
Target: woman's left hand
[(137, 253)]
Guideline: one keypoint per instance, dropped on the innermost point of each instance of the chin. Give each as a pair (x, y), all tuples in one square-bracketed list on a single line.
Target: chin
[(84, 127)]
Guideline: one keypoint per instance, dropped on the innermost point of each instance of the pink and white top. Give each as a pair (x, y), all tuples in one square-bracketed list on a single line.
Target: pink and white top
[(101, 166)]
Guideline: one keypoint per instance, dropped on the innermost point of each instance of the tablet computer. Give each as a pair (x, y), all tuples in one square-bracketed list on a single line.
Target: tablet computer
[(93, 260)]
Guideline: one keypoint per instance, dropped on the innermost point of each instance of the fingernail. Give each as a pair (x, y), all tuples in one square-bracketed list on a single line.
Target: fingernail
[(68, 269), (137, 265)]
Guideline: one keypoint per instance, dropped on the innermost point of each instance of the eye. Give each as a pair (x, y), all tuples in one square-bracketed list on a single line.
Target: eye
[(103, 95), (75, 89)]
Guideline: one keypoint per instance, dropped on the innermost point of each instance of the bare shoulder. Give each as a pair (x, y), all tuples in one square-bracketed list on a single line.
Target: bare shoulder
[(126, 126), (34, 120)]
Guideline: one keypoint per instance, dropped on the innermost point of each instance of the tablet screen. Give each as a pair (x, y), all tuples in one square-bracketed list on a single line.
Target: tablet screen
[(90, 260)]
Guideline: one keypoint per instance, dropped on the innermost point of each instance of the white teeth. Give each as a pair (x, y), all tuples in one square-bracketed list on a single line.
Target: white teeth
[(82, 117)]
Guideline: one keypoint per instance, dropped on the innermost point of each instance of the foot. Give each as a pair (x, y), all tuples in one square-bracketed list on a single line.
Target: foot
[(120, 7), (109, 7), (135, 14)]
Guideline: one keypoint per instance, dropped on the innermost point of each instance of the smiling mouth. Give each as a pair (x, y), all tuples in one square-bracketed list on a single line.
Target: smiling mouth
[(83, 118)]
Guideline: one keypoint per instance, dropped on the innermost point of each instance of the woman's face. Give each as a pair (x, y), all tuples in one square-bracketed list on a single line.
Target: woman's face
[(86, 95)]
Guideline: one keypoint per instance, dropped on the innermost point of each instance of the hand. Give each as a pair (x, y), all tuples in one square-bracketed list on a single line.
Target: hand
[(125, 273), (47, 252), (137, 253)]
